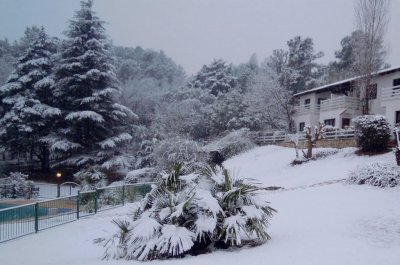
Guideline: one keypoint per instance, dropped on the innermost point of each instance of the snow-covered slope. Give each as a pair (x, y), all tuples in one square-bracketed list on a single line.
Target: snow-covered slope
[(271, 166), (325, 224)]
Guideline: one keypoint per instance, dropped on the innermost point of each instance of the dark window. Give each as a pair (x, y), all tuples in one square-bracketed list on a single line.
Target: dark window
[(307, 103), (372, 91), (320, 99), (396, 82), (330, 122), (345, 123), (301, 126), (397, 116)]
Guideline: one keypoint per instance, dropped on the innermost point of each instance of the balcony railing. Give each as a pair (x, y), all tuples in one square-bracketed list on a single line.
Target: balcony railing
[(342, 102), (306, 108), (391, 93)]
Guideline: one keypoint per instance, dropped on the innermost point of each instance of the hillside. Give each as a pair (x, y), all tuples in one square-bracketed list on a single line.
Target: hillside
[(319, 220)]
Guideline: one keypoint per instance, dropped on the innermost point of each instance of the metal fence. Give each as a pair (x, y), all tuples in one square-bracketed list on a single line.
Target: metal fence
[(30, 218)]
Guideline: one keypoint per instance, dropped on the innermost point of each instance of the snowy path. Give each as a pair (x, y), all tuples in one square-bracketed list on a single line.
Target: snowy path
[(318, 222)]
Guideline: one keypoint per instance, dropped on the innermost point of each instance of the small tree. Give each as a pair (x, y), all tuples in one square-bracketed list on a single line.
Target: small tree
[(312, 137), (372, 132)]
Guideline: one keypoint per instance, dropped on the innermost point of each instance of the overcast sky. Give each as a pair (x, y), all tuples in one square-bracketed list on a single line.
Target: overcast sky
[(193, 32)]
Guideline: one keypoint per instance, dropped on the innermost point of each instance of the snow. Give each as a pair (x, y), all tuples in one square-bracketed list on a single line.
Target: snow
[(86, 114), (320, 219)]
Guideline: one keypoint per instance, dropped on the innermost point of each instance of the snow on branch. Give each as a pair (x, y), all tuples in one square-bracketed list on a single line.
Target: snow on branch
[(85, 115), (114, 141)]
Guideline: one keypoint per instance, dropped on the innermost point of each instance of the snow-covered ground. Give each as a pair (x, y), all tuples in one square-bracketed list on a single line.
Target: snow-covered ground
[(319, 220)]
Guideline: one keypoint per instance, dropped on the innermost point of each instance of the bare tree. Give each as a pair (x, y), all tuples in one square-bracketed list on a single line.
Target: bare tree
[(312, 136), (372, 20)]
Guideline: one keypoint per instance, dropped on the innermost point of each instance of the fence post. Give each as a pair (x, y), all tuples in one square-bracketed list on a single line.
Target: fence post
[(77, 204), (36, 217), (123, 195), (95, 200)]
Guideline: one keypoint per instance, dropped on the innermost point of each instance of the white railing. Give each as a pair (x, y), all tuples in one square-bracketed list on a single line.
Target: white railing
[(306, 108), (342, 102), (270, 138), (391, 93)]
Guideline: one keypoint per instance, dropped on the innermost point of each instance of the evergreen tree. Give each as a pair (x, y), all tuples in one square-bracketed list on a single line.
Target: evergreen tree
[(302, 64), (87, 89), (26, 98), (216, 78)]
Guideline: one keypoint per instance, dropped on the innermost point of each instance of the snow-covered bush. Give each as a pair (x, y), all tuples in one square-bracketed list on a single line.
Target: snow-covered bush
[(372, 132), (189, 214), (168, 152), (143, 174), (16, 185), (91, 177), (380, 174), (232, 144)]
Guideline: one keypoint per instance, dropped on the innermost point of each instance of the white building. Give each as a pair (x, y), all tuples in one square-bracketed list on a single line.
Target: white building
[(335, 105)]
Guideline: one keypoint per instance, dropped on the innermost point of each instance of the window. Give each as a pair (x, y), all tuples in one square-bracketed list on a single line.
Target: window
[(396, 82), (345, 123), (320, 99), (330, 122), (301, 126), (397, 116), (307, 103), (372, 91)]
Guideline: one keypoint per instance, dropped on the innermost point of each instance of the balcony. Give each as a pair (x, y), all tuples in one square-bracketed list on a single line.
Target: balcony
[(391, 93), (339, 103), (306, 108)]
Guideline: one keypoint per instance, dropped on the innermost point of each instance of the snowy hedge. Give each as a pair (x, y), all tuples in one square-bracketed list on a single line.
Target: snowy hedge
[(232, 144), (372, 132), (380, 174), (191, 214), (16, 186), (178, 149)]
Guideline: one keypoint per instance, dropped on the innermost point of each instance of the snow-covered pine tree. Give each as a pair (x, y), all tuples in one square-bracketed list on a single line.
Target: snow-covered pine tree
[(87, 89), (26, 99), (217, 78)]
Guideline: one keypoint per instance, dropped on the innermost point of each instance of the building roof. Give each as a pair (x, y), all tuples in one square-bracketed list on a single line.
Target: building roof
[(343, 82)]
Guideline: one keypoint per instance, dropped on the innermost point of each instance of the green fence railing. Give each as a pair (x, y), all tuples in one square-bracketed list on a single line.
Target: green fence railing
[(30, 218)]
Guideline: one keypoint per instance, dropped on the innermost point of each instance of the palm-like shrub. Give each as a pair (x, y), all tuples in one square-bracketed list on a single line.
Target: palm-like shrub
[(188, 214)]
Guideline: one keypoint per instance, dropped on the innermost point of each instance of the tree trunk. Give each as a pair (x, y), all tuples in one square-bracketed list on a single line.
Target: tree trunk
[(45, 159), (309, 148)]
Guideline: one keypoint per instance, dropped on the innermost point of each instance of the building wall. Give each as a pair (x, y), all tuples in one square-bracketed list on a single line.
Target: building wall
[(377, 106)]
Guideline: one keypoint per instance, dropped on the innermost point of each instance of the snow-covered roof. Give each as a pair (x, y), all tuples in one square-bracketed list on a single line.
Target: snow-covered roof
[(326, 87)]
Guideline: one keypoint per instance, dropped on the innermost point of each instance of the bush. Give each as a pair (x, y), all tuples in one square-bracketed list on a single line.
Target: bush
[(91, 177), (146, 174), (168, 152), (372, 132), (16, 186), (380, 174), (232, 144), (190, 215)]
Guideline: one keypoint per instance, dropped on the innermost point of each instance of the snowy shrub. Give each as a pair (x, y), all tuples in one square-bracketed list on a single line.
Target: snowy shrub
[(143, 174), (321, 153), (16, 186), (372, 132), (91, 177), (380, 174), (168, 152), (190, 214), (232, 144)]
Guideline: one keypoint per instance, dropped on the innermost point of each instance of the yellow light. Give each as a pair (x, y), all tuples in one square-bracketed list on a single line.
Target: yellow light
[(58, 175)]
